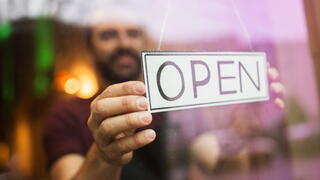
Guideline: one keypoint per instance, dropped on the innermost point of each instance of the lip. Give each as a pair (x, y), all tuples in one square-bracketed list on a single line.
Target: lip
[(125, 60)]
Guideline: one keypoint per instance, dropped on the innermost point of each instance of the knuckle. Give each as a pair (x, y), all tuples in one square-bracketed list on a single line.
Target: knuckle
[(98, 106), (122, 146), (101, 108), (93, 105), (126, 87), (105, 128), (108, 90), (130, 120), (127, 102), (138, 140)]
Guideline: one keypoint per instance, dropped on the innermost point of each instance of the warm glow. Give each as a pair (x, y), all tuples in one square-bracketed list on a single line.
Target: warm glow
[(60, 79), (87, 78), (72, 86), (23, 145), (79, 80), (4, 155), (88, 88)]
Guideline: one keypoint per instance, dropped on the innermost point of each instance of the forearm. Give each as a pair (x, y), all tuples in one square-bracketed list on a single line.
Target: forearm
[(94, 167)]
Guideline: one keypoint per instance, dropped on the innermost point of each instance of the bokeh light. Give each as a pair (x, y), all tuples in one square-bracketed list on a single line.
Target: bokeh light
[(72, 86)]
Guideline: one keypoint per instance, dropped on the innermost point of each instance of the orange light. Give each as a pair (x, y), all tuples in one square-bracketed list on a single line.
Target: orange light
[(87, 78), (80, 80), (88, 87), (72, 86), (4, 155), (60, 79), (23, 145)]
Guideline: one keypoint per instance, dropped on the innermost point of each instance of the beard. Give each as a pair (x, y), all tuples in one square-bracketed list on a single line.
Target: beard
[(118, 74)]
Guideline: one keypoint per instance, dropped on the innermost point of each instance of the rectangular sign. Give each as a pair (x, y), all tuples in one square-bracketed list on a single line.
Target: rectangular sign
[(182, 80)]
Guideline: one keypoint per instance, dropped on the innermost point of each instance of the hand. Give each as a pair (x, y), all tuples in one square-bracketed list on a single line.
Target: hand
[(115, 114), (205, 151), (276, 87)]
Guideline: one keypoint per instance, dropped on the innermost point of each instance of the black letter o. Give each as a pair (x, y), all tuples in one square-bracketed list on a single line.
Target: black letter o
[(159, 85)]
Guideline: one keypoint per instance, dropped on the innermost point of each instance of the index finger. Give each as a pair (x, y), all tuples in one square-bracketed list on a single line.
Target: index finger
[(124, 89)]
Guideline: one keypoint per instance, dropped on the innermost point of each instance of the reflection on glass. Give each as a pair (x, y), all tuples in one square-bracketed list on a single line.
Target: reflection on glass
[(61, 52)]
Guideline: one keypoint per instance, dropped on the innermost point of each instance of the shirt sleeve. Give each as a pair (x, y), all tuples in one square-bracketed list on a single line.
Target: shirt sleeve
[(61, 134)]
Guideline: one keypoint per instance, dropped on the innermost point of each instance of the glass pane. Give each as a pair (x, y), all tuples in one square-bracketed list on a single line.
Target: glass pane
[(58, 56)]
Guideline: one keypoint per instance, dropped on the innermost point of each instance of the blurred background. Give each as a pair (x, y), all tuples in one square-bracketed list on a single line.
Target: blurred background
[(44, 59)]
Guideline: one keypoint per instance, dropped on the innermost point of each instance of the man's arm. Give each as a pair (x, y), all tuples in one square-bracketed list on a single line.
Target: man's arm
[(115, 114), (76, 166), (66, 167)]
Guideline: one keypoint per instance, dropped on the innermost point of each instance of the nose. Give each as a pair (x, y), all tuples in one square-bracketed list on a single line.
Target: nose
[(125, 41)]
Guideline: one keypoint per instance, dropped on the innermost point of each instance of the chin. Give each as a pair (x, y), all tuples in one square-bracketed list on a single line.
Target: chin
[(123, 77)]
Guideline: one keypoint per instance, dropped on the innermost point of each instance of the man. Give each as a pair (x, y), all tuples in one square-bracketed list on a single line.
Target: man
[(112, 117), (95, 138)]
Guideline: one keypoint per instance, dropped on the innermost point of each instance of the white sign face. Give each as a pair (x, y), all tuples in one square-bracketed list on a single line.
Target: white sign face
[(182, 80)]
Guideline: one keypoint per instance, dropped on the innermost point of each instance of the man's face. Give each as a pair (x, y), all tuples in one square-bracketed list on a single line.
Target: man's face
[(116, 48)]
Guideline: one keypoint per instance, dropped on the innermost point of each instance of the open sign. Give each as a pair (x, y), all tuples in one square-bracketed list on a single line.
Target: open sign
[(181, 80)]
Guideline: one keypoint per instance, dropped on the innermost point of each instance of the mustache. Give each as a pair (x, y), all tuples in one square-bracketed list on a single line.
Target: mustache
[(105, 65), (124, 51)]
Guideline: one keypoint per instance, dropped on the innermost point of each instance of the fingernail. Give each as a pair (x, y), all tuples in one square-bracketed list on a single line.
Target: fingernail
[(273, 73), (145, 117), (277, 87), (142, 103), (150, 134), (279, 102), (139, 88)]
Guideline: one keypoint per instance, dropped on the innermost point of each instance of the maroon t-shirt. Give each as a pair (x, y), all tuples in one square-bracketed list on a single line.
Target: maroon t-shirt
[(66, 129), (66, 132)]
